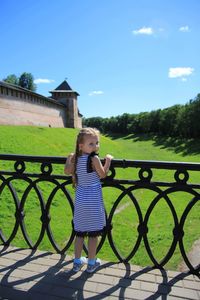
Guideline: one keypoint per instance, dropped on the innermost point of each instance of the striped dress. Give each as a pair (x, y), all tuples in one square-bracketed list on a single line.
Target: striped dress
[(89, 213)]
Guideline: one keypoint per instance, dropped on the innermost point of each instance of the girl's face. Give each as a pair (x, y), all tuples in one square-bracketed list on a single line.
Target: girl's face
[(89, 145)]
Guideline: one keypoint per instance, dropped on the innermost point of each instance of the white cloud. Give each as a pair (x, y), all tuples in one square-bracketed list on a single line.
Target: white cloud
[(95, 93), (143, 30), (183, 79), (180, 72), (40, 80), (184, 28)]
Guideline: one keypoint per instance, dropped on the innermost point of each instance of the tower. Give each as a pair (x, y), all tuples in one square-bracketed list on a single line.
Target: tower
[(65, 95)]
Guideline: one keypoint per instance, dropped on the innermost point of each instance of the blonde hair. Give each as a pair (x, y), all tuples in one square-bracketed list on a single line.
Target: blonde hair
[(82, 135)]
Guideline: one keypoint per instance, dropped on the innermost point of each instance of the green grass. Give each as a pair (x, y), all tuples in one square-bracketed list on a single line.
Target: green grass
[(59, 142)]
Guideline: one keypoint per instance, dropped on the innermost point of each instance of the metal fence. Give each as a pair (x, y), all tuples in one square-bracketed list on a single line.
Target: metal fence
[(20, 168)]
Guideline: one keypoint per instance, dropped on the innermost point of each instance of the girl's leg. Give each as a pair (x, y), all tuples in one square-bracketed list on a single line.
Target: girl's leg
[(93, 263), (92, 247), (78, 260), (78, 246)]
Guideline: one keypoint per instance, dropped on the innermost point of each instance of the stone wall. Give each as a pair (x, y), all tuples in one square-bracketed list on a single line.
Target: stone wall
[(79, 122), (38, 112)]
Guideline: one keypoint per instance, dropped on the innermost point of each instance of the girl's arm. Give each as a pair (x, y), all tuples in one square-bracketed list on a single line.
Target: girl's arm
[(69, 165), (102, 170)]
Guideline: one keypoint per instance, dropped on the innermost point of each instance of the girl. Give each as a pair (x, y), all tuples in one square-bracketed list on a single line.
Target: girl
[(89, 214)]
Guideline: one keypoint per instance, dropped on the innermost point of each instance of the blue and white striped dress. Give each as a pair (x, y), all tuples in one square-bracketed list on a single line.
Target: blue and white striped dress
[(89, 213)]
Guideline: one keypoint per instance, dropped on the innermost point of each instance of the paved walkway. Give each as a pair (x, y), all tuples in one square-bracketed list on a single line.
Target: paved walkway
[(38, 275)]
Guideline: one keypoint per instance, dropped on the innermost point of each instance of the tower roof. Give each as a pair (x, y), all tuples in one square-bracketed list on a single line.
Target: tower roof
[(64, 87)]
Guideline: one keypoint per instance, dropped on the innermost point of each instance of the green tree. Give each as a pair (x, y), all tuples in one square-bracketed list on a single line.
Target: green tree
[(145, 122), (168, 120), (154, 115), (26, 80), (12, 78), (176, 120), (95, 122), (194, 112), (133, 125)]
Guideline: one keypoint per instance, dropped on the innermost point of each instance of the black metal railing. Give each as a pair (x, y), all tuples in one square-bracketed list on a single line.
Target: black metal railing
[(143, 177)]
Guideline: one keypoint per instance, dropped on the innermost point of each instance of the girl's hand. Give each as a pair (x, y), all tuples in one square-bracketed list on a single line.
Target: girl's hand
[(69, 165), (102, 170), (108, 157), (71, 154), (70, 157)]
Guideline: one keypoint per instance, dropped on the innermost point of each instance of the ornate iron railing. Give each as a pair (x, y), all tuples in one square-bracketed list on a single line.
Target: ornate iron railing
[(17, 169)]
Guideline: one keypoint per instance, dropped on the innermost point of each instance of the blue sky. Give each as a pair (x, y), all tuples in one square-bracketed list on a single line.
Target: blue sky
[(119, 55)]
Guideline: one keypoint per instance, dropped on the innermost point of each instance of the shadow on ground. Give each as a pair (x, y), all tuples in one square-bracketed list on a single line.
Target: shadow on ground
[(177, 145), (21, 281)]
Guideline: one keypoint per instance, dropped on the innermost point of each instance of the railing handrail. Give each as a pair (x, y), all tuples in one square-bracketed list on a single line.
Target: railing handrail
[(116, 163), (180, 181)]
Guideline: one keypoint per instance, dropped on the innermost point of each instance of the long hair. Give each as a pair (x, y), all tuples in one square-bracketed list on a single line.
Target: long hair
[(83, 134)]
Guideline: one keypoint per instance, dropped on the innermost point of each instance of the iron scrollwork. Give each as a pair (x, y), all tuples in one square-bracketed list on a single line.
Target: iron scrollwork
[(126, 188)]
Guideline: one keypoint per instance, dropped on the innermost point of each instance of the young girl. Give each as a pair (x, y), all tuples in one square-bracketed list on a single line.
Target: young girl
[(89, 214)]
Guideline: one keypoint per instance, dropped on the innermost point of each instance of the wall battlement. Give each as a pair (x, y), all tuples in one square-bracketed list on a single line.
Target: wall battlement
[(19, 106)]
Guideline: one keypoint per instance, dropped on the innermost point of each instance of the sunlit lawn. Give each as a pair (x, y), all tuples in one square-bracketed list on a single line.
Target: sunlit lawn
[(59, 142)]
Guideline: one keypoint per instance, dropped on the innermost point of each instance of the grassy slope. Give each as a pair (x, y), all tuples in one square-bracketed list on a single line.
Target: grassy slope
[(59, 142)]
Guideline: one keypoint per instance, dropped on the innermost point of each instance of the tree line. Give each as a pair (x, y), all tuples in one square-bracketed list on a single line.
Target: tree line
[(25, 80), (175, 121)]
